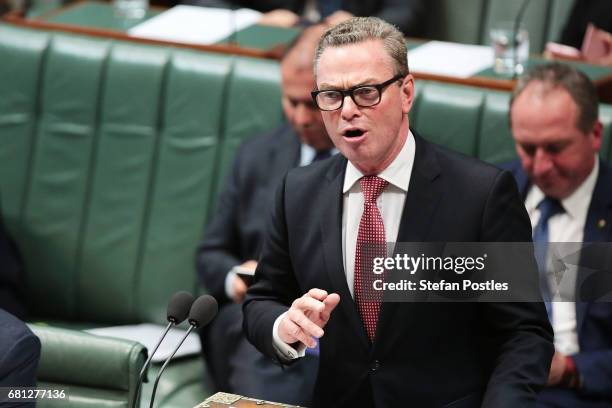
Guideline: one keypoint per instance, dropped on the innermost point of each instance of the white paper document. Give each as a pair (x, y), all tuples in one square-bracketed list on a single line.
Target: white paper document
[(195, 25), (148, 334), (450, 59)]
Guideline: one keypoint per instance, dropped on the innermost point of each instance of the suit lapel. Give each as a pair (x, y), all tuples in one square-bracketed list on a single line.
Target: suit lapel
[(422, 199), (331, 231), (597, 227)]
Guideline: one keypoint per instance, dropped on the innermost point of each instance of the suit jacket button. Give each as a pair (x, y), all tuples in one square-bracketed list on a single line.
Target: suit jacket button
[(374, 366)]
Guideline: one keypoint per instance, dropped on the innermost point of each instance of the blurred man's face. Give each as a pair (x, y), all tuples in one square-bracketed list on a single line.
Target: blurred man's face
[(555, 154), (299, 108), (370, 137)]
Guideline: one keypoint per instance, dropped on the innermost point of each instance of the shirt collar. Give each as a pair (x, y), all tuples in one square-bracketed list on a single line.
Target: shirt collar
[(576, 204), (397, 173), (308, 153)]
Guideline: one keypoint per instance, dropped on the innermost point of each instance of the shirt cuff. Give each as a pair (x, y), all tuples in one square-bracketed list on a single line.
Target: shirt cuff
[(229, 284), (284, 350)]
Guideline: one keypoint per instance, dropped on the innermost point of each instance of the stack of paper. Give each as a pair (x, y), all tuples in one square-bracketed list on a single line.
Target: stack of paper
[(195, 25)]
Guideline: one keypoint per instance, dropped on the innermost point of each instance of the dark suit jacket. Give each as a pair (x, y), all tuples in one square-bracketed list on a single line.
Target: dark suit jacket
[(235, 232), (593, 319), (12, 280), (408, 15), (424, 354), (598, 12), (19, 355)]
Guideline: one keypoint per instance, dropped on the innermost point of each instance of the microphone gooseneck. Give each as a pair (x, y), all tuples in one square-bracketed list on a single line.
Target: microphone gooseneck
[(203, 310), (178, 308), (515, 30)]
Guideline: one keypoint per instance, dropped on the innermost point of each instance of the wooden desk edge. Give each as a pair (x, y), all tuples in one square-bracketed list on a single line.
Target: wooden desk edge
[(15, 19)]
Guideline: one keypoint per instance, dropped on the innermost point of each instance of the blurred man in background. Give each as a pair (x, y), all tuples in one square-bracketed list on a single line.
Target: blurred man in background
[(568, 194), (235, 233)]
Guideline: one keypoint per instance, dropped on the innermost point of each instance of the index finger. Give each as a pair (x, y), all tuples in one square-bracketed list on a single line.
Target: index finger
[(318, 294)]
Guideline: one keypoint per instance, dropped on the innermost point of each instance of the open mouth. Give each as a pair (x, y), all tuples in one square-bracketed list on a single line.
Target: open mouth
[(353, 133)]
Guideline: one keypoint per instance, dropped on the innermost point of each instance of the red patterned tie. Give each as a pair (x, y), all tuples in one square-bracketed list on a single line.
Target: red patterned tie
[(371, 243)]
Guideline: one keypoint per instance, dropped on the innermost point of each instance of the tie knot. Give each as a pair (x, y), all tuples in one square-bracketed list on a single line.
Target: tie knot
[(549, 207), (372, 186)]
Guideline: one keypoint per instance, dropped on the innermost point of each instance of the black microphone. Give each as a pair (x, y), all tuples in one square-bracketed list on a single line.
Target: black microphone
[(517, 24), (203, 310), (178, 308)]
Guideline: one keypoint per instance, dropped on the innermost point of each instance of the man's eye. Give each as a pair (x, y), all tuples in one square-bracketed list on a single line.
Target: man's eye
[(555, 148), (365, 91), (528, 149), (331, 95)]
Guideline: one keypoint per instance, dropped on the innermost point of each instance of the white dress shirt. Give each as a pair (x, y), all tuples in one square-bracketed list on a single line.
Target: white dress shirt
[(565, 227), (390, 203)]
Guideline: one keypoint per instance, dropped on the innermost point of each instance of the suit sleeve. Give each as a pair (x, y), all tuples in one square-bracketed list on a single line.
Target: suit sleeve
[(19, 353), (12, 280), (219, 251), (521, 330), (595, 368), (275, 286)]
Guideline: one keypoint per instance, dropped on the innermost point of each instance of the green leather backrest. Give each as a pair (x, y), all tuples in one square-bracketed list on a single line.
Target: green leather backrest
[(495, 144), (469, 21), (605, 116), (252, 105), (453, 20), (450, 118), (107, 168), (559, 13), (475, 121), (535, 20)]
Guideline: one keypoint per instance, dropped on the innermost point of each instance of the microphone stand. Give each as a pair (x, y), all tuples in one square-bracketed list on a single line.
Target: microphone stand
[(147, 363), (515, 42), (191, 327)]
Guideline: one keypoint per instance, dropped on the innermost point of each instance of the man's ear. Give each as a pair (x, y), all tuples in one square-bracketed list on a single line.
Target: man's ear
[(407, 93), (597, 135)]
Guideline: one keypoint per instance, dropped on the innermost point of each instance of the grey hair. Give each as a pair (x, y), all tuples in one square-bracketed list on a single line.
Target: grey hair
[(360, 29), (556, 75)]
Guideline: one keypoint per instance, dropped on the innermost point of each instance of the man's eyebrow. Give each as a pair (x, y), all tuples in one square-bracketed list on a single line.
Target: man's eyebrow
[(367, 81)]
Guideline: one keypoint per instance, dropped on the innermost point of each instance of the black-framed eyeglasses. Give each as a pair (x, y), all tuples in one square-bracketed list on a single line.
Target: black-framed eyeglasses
[(363, 95)]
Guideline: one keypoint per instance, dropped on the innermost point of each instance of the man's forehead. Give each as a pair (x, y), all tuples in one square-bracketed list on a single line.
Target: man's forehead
[(356, 63)]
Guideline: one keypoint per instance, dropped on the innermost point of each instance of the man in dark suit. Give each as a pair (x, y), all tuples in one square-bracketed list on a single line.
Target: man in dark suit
[(389, 185), (234, 235), (557, 133)]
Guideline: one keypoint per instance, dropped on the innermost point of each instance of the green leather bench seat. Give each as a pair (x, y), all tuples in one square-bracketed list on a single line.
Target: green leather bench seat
[(111, 156), (94, 371)]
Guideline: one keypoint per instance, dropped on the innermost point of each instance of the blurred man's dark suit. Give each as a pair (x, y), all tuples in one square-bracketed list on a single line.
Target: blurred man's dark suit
[(19, 355), (19, 347), (12, 279), (594, 319), (234, 235), (424, 354)]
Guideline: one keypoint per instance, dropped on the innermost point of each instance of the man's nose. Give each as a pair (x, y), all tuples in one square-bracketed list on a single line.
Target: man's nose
[(349, 109), (542, 162), (303, 115)]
